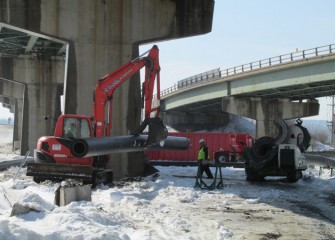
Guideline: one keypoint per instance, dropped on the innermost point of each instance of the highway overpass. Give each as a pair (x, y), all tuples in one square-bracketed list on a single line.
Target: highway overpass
[(284, 86)]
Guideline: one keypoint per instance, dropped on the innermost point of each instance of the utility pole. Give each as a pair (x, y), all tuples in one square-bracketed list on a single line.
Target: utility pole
[(332, 133), (332, 123)]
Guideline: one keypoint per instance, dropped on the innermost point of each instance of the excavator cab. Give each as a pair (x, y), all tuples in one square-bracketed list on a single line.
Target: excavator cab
[(74, 127)]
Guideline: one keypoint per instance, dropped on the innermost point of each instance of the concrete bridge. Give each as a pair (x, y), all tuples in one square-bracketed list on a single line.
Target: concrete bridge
[(283, 87), (59, 48)]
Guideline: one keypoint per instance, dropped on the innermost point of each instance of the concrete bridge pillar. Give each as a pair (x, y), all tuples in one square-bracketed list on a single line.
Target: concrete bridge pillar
[(41, 79), (266, 111), (103, 35), (35, 93)]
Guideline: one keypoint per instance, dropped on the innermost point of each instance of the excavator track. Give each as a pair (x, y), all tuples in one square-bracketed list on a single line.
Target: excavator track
[(59, 172)]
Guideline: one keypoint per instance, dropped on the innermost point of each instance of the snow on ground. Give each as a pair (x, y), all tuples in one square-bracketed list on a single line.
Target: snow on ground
[(7, 154), (171, 208)]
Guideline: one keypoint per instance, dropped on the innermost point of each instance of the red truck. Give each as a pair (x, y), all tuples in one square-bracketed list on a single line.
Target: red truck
[(227, 146)]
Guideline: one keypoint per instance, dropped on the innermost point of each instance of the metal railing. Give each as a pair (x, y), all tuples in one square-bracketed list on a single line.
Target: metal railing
[(216, 74)]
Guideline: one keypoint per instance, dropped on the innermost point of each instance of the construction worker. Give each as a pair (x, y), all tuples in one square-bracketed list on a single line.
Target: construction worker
[(204, 158)]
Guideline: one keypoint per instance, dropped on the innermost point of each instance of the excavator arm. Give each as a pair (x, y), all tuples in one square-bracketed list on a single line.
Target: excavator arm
[(108, 84)]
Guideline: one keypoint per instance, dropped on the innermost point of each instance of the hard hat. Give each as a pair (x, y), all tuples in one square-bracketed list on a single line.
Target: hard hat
[(201, 140)]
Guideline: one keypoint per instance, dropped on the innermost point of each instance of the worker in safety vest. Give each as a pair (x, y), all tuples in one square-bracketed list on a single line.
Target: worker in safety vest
[(204, 158)]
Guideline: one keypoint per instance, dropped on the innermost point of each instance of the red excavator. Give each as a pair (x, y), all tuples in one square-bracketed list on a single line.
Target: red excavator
[(80, 143)]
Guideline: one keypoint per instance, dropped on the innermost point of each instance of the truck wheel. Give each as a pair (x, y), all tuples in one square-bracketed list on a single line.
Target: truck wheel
[(222, 157), (294, 176)]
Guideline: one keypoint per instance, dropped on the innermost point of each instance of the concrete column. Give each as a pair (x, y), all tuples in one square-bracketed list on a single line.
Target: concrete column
[(266, 111), (104, 35), (41, 79)]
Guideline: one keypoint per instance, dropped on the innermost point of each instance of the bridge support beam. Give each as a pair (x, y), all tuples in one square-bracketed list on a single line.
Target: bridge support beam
[(266, 111), (192, 122)]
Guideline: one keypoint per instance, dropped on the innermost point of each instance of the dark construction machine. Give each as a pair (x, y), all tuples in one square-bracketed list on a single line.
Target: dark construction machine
[(279, 156), (80, 143)]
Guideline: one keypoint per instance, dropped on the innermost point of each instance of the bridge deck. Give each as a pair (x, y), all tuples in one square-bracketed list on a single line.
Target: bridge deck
[(309, 76)]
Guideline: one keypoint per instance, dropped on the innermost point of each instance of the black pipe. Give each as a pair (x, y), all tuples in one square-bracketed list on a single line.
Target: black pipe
[(87, 147)]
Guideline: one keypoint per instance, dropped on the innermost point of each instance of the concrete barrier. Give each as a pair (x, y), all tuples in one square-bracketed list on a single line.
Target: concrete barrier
[(66, 194)]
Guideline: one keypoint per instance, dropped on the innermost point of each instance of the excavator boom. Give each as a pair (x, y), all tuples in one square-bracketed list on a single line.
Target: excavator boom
[(109, 83)]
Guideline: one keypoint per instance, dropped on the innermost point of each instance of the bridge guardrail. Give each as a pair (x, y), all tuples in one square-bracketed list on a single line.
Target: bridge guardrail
[(215, 74)]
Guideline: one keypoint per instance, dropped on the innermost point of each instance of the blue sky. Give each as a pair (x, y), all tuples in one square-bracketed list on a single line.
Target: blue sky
[(245, 31)]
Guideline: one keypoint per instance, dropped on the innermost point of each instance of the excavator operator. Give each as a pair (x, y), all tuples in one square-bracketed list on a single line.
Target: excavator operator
[(72, 131)]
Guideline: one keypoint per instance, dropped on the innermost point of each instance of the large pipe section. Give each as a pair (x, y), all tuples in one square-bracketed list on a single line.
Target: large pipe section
[(88, 147)]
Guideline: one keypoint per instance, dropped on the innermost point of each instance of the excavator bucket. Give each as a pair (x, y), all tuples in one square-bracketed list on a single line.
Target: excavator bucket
[(156, 133)]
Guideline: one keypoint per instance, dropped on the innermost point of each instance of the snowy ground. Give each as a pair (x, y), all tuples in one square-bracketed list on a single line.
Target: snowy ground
[(169, 207)]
